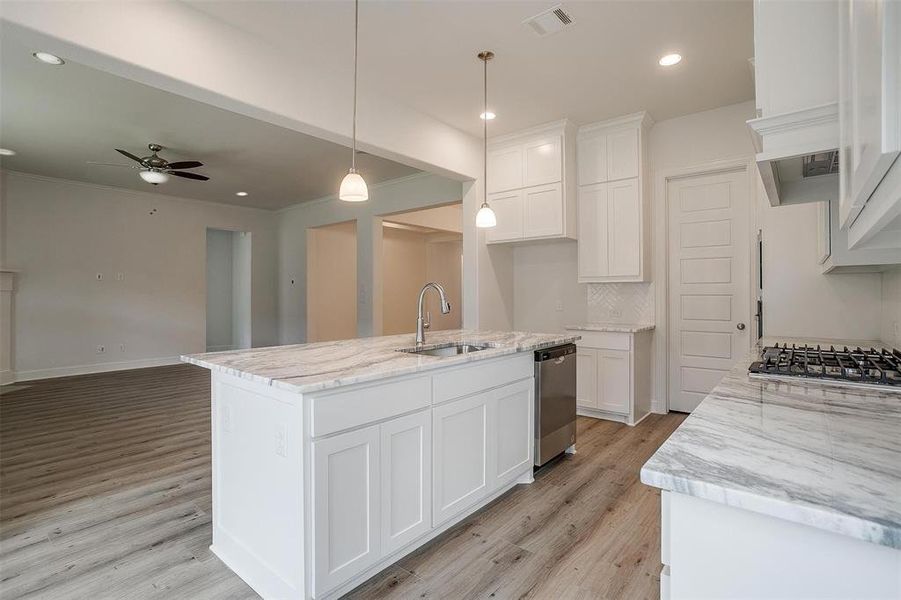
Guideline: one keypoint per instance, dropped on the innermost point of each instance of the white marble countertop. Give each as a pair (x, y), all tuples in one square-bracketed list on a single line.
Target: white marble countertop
[(309, 368), (615, 327), (821, 454)]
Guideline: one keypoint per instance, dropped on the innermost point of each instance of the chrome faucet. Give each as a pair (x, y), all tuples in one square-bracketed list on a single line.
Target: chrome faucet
[(421, 324)]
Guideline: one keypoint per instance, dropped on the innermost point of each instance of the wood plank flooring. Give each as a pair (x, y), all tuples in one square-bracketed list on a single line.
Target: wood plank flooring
[(105, 493)]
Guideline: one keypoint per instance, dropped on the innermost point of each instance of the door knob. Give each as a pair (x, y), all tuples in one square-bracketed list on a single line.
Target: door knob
[(740, 326)]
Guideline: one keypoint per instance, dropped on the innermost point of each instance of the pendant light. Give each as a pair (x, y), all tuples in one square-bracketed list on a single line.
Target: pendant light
[(353, 187), (485, 218)]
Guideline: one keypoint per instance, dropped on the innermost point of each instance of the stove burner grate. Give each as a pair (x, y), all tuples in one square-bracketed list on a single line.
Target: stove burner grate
[(872, 366)]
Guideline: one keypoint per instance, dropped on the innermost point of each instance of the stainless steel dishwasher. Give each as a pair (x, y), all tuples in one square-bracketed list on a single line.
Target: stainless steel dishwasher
[(555, 401)]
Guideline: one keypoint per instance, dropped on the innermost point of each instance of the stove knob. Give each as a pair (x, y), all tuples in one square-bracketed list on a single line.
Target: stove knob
[(740, 326)]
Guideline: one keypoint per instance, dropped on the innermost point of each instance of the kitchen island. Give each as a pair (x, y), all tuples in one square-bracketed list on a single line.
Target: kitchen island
[(332, 460), (782, 488)]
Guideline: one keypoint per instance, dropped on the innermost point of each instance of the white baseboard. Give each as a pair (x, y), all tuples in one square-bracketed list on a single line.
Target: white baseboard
[(87, 369), (657, 407)]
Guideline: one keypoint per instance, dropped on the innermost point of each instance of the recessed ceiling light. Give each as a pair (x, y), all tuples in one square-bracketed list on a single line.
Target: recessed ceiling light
[(242, 194), (50, 59), (487, 116), (7, 152), (668, 60)]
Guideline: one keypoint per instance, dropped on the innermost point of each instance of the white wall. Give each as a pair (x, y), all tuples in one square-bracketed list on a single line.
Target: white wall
[(891, 307), (399, 195), (219, 265), (60, 234), (546, 294), (798, 299)]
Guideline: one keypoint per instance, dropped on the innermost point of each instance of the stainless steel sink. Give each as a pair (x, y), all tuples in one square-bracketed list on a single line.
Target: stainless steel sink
[(452, 349)]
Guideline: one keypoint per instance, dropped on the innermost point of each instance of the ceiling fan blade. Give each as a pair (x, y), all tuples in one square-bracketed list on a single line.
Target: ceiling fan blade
[(185, 164), (189, 175), (101, 164), (130, 155)]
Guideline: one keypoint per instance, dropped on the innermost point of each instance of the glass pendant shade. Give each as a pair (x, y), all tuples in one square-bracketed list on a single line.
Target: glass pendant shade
[(353, 188), (154, 176), (485, 218)]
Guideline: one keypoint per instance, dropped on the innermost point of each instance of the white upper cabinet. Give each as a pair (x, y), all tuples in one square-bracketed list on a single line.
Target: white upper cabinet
[(531, 184), (870, 122), (612, 201), (505, 169), (542, 162)]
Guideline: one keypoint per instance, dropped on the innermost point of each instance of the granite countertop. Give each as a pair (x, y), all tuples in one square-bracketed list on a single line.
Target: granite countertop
[(615, 327), (306, 368), (822, 454)]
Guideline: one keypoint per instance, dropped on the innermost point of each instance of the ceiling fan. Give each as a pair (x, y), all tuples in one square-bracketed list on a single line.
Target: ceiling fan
[(155, 169)]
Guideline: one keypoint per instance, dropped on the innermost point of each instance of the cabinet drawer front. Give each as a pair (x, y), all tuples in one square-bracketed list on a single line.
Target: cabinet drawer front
[(492, 373), (542, 211), (344, 410), (607, 340)]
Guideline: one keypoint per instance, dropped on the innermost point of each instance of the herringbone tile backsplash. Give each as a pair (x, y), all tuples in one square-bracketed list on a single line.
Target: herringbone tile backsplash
[(621, 302)]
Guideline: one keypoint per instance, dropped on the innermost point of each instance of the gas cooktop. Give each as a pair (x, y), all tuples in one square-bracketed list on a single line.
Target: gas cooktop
[(861, 366)]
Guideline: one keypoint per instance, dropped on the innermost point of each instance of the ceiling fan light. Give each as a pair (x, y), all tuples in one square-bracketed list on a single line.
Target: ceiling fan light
[(486, 218), (353, 188), (151, 176)]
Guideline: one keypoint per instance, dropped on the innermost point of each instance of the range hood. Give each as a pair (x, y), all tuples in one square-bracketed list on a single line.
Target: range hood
[(797, 154)]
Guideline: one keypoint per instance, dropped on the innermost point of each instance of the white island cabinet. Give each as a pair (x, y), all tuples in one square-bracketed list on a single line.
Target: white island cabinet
[(331, 461)]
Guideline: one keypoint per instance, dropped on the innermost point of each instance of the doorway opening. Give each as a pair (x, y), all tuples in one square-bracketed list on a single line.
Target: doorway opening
[(417, 247), (228, 284), (332, 282)]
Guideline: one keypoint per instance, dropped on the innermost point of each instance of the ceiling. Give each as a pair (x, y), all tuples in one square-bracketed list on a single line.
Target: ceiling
[(58, 118), (423, 54)]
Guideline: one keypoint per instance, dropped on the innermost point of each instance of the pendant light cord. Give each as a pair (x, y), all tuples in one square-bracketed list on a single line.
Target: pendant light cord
[(485, 136), (353, 158)]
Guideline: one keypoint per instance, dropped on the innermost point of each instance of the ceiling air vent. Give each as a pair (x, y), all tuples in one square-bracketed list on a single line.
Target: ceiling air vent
[(550, 21)]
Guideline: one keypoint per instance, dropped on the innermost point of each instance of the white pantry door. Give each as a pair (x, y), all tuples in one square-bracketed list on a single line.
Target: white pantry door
[(709, 281)]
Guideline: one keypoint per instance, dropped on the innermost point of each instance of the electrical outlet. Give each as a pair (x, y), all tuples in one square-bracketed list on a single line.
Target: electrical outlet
[(99, 276), (101, 349), (120, 276), (559, 306), (615, 313), (121, 347), (281, 440)]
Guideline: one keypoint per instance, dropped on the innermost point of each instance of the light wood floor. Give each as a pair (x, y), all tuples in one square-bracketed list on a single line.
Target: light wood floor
[(105, 493)]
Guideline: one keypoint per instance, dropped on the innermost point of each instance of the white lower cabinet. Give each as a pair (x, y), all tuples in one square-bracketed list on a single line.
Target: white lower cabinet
[(406, 477), (480, 444), (513, 443), (614, 381), (460, 455), (346, 512), (613, 375)]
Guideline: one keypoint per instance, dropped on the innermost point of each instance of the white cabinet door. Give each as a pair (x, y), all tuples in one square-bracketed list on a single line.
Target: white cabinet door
[(406, 479), (459, 455), (593, 259), (614, 381), (592, 159), (871, 95), (542, 209), (622, 154), (505, 169), (508, 209), (542, 162), (586, 377), (345, 506), (624, 228), (513, 431)]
